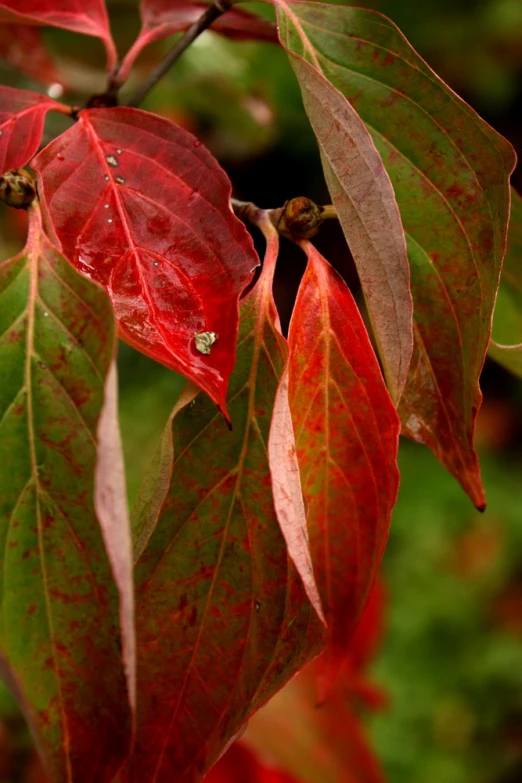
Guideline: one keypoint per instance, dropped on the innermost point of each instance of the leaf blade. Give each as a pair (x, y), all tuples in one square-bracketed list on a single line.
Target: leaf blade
[(140, 206), (54, 330), (450, 174)]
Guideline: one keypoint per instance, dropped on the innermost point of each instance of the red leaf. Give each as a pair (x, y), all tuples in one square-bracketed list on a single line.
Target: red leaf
[(142, 207), (161, 18), (23, 48), (22, 116), (223, 620), (89, 18), (241, 765), (347, 434)]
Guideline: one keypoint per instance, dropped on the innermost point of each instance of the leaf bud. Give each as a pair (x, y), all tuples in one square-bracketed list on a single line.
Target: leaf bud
[(17, 189), (300, 218)]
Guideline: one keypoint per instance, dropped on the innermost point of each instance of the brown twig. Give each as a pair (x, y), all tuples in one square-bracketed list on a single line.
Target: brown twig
[(298, 219)]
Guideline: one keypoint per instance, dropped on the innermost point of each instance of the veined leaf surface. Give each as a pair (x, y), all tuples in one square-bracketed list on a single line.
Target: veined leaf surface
[(140, 206), (59, 624), (347, 436), (450, 172), (223, 618)]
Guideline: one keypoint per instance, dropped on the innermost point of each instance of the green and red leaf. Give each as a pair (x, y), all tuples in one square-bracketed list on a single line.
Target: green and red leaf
[(59, 606), (450, 172), (347, 437), (506, 337), (22, 117), (140, 206), (222, 615)]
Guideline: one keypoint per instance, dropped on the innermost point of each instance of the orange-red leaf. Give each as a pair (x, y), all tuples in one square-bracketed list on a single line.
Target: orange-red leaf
[(347, 434)]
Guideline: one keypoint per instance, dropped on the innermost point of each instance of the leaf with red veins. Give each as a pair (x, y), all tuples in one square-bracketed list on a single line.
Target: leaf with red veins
[(22, 117), (347, 434), (140, 206), (161, 18), (59, 609), (222, 617), (24, 49), (79, 16), (450, 174)]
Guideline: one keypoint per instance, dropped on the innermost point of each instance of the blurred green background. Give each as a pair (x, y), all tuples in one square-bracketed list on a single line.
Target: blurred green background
[(451, 661)]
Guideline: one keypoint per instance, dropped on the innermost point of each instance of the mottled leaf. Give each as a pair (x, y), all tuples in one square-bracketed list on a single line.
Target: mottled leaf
[(222, 616), (140, 206), (24, 49), (506, 338), (22, 116), (89, 18), (347, 437), (59, 628), (363, 196), (160, 18), (450, 174)]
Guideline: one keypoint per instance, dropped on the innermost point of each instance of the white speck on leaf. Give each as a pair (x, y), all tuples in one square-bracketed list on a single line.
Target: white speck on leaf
[(204, 341)]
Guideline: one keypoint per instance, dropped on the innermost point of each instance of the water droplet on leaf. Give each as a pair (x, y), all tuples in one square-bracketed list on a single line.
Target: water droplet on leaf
[(46, 314), (112, 160), (155, 263), (107, 206), (204, 341), (109, 220), (119, 152), (257, 606), (106, 178), (119, 180)]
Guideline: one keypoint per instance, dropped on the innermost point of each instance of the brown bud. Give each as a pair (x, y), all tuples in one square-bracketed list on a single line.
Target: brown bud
[(300, 218), (17, 189)]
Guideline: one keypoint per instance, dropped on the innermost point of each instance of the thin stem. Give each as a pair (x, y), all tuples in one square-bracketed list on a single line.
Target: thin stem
[(297, 219), (213, 12)]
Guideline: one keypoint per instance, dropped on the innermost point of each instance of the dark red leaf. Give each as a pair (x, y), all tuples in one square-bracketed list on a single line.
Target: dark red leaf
[(223, 620), (347, 434), (140, 206), (22, 116), (161, 18), (88, 17), (241, 765), (23, 47)]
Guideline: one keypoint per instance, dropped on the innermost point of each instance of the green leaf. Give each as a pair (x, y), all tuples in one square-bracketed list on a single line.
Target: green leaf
[(59, 628), (450, 173), (506, 338), (223, 618)]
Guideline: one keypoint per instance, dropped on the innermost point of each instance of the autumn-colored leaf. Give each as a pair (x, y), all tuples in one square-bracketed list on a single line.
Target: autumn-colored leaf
[(24, 49), (161, 18), (22, 116), (506, 338), (450, 174), (347, 436), (59, 628), (222, 616), (140, 206), (89, 18), (241, 765)]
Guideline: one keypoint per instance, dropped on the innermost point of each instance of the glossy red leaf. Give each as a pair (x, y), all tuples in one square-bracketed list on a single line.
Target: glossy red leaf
[(160, 18), (347, 436), (89, 18), (241, 765), (24, 49), (140, 206), (59, 614), (450, 172), (223, 620), (506, 337), (22, 117)]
